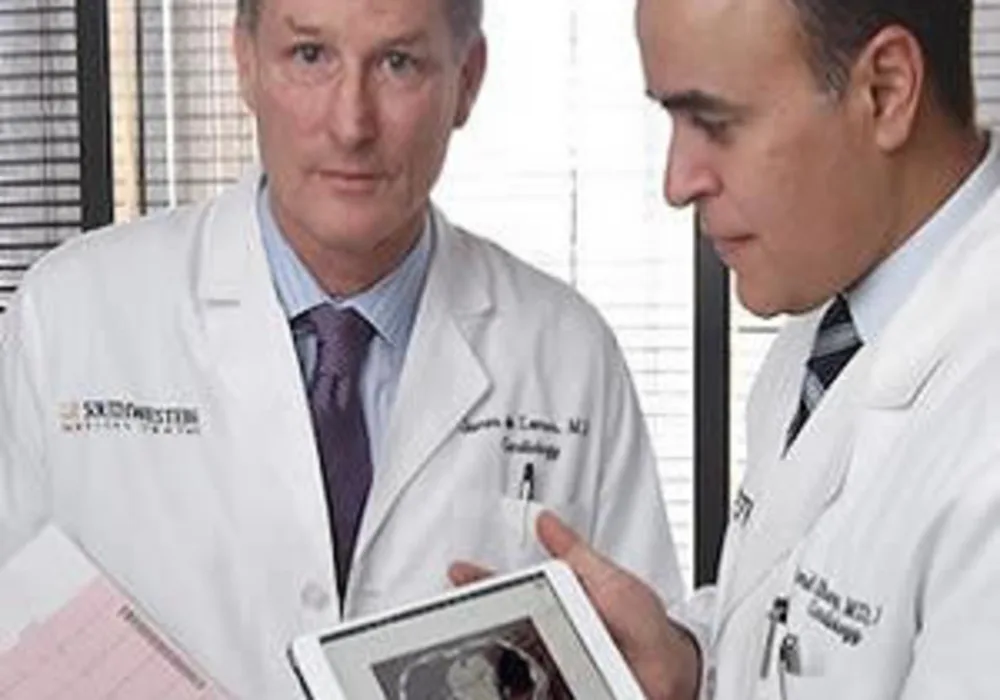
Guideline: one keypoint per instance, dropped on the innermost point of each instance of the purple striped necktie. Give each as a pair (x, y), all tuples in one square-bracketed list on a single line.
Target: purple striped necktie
[(342, 339)]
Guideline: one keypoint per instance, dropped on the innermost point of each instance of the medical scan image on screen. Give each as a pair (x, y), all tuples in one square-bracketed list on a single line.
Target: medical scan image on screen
[(509, 663), (513, 643)]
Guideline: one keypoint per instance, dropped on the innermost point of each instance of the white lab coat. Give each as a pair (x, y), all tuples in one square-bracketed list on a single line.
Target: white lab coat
[(204, 498), (882, 523)]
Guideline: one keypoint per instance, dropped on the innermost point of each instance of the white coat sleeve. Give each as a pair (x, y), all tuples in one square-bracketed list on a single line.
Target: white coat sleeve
[(24, 484), (957, 647), (696, 617), (631, 526)]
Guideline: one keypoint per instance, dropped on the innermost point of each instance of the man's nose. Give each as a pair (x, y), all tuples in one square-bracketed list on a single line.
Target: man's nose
[(689, 175), (352, 113)]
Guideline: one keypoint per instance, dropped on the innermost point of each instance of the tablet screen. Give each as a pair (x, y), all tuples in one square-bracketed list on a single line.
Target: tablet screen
[(513, 642)]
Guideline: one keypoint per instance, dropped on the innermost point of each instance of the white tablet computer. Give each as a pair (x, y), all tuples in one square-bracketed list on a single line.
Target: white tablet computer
[(532, 635)]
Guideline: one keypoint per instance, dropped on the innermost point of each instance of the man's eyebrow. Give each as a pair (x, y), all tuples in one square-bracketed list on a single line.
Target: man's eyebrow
[(405, 39), (302, 29), (695, 101), (413, 38)]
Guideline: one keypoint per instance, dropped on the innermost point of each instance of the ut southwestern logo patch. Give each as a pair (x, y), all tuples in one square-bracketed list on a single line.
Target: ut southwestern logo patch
[(128, 417)]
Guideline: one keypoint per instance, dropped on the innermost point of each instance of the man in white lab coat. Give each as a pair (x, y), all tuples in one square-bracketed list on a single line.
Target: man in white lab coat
[(831, 152), (158, 380)]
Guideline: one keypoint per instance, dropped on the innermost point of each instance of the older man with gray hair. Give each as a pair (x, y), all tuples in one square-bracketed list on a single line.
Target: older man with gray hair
[(299, 401)]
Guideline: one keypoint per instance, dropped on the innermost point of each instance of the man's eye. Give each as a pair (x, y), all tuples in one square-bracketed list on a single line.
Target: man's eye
[(307, 53), (714, 130), (399, 61)]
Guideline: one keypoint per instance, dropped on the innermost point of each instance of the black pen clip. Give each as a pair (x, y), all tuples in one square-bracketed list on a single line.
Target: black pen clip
[(526, 491)]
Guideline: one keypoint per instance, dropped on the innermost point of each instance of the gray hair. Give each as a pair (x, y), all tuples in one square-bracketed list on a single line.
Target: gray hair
[(465, 17)]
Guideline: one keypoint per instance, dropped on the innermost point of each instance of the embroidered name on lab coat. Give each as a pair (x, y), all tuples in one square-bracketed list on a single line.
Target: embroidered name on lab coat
[(121, 416), (742, 508), (845, 616), (526, 435)]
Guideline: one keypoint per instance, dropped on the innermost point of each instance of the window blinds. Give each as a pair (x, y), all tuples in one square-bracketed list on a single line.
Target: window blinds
[(986, 60), (39, 134), (180, 128)]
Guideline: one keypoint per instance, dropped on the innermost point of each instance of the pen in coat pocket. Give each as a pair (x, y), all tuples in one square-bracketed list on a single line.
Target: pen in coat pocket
[(526, 494)]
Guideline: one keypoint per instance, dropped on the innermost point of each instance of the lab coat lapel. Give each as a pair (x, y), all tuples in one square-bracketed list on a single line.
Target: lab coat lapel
[(442, 377), (239, 307), (250, 349), (813, 470), (777, 389)]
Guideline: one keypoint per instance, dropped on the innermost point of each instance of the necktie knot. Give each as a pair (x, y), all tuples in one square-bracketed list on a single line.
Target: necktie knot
[(342, 338), (836, 342)]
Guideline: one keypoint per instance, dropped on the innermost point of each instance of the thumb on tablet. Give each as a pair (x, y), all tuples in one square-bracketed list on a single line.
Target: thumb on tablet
[(564, 543), (606, 584), (664, 659)]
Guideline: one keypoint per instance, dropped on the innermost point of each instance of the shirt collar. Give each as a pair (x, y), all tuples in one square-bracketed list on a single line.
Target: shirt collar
[(877, 296), (390, 305)]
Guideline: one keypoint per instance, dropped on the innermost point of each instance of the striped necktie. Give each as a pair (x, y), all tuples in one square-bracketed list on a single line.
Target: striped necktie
[(835, 344)]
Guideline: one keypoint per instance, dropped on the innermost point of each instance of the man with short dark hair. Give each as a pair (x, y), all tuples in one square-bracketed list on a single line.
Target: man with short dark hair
[(830, 151)]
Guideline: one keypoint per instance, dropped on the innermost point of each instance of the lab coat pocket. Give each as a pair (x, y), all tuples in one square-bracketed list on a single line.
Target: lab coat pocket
[(499, 531), (804, 687), (521, 541), (800, 672)]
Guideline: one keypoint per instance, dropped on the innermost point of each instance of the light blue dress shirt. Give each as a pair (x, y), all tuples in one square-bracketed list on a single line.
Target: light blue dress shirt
[(874, 300), (390, 306)]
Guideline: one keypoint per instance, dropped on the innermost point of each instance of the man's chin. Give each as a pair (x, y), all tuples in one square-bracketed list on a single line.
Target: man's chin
[(761, 305)]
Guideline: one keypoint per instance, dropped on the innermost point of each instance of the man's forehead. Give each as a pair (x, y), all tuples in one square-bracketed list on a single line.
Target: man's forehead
[(403, 15), (745, 21), (688, 12), (714, 39)]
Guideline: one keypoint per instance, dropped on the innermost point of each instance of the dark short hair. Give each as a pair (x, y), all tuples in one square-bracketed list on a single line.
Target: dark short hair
[(838, 30), (465, 16)]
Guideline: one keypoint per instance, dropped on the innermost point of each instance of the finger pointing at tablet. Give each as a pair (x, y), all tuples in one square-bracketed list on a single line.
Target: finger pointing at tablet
[(662, 656)]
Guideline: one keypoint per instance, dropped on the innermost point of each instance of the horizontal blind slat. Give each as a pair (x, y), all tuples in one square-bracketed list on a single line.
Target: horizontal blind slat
[(40, 203)]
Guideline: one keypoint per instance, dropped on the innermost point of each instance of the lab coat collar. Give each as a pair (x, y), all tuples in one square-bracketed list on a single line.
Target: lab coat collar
[(956, 290), (232, 253), (231, 258)]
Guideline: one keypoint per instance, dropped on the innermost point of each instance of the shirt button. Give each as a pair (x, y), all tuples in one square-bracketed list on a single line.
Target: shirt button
[(315, 597)]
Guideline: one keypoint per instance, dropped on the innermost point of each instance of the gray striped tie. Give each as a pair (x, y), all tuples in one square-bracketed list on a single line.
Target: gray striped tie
[(836, 343)]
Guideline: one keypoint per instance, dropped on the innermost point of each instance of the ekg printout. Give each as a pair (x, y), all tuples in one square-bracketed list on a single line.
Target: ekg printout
[(68, 633)]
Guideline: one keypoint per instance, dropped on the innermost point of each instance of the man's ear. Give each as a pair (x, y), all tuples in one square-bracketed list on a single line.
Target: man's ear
[(473, 71), (890, 73), (246, 64)]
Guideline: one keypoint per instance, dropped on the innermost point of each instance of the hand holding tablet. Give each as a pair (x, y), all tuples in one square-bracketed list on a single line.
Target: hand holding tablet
[(531, 635), (663, 656)]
